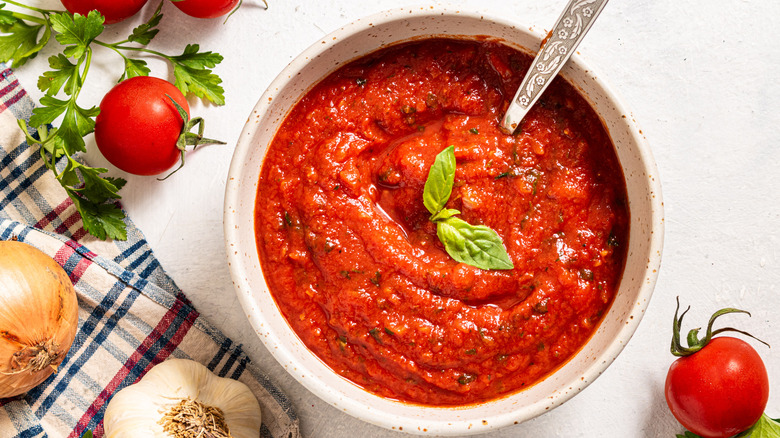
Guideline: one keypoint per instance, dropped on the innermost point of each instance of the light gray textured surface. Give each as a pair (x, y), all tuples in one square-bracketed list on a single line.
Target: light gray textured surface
[(701, 79)]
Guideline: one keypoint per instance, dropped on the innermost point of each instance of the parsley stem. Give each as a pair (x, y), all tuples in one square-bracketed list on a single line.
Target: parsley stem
[(119, 46), (110, 46), (87, 60), (26, 17), (50, 158)]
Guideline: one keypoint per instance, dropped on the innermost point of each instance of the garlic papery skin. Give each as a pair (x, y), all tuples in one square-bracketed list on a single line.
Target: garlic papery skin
[(137, 411)]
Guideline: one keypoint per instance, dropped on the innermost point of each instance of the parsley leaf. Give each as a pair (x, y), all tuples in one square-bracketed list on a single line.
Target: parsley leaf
[(90, 193), (96, 189), (46, 114), (192, 72), (63, 73), (102, 220), (6, 17), (20, 41), (201, 83), (475, 245), (76, 123), (193, 58), (133, 68), (144, 33), (76, 32)]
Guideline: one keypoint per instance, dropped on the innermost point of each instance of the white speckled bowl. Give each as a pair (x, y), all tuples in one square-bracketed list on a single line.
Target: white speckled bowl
[(365, 36)]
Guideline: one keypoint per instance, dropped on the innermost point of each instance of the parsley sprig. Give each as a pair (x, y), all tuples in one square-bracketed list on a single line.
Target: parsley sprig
[(23, 36), (191, 70)]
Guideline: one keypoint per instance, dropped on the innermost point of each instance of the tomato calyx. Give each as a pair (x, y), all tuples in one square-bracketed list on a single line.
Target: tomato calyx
[(694, 343), (239, 6), (188, 138)]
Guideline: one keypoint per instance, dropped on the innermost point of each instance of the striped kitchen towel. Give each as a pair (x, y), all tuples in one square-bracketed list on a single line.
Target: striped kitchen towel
[(131, 314)]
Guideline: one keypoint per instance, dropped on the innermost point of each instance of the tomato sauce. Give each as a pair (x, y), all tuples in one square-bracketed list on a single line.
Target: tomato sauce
[(355, 265)]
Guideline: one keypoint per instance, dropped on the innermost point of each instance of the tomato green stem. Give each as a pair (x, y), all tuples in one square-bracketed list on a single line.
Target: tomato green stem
[(187, 138), (694, 343)]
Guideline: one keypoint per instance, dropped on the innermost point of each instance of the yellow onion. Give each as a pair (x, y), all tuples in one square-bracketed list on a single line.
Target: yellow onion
[(38, 317)]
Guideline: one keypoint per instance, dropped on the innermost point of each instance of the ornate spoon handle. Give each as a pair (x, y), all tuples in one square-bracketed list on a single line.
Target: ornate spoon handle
[(571, 27)]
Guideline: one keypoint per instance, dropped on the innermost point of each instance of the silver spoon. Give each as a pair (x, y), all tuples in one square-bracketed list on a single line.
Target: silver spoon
[(571, 27)]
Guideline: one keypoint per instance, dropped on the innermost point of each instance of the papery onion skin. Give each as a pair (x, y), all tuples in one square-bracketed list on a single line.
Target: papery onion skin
[(38, 317)]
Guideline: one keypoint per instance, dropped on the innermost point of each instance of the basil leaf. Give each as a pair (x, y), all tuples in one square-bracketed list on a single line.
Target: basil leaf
[(765, 428), (441, 176), (444, 213), (687, 434), (476, 245)]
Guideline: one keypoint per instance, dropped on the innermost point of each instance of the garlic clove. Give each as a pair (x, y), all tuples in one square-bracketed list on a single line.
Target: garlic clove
[(134, 412), (241, 413)]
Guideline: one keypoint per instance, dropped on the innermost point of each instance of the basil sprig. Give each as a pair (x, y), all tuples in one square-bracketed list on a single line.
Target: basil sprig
[(475, 245)]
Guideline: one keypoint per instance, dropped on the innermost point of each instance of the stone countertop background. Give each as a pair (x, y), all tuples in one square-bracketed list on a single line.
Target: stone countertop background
[(701, 79)]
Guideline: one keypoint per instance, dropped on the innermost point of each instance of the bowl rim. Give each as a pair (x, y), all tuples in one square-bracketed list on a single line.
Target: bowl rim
[(366, 413)]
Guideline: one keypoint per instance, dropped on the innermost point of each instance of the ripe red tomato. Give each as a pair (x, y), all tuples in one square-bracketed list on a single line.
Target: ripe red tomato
[(719, 391), (206, 8), (138, 125), (114, 10)]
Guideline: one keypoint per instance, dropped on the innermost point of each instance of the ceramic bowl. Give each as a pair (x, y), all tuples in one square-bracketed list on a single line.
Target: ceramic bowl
[(353, 41)]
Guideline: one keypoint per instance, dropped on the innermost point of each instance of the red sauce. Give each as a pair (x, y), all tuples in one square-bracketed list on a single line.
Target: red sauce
[(354, 263)]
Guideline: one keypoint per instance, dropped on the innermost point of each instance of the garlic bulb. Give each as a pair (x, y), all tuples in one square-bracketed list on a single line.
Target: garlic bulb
[(181, 398)]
